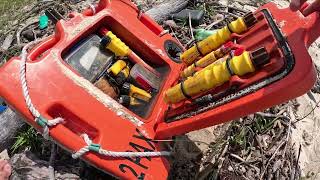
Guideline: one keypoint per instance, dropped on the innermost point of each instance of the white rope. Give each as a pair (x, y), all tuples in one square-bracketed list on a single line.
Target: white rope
[(101, 151), (26, 95), (94, 11)]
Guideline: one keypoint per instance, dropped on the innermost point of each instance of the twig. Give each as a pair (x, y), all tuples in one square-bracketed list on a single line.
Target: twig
[(51, 161), (281, 112), (230, 7), (189, 43), (300, 119), (297, 162), (289, 128), (215, 166), (261, 150), (273, 155), (271, 115), (174, 34), (227, 7), (190, 25), (225, 149), (22, 29), (311, 96), (189, 141), (215, 23), (284, 141), (228, 13), (234, 168), (237, 157)]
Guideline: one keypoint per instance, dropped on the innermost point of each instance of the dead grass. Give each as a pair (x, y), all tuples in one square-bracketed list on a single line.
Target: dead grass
[(10, 9)]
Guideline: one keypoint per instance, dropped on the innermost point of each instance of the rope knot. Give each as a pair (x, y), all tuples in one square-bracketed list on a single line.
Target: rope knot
[(95, 147), (45, 124), (91, 146), (41, 121)]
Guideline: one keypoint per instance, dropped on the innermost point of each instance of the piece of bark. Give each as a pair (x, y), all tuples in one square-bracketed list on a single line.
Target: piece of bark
[(10, 123), (162, 11), (7, 42)]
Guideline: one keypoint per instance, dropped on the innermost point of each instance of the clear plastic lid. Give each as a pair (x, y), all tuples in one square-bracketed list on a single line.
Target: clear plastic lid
[(145, 78), (88, 59)]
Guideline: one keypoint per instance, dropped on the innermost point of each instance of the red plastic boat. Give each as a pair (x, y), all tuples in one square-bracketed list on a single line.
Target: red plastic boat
[(58, 90)]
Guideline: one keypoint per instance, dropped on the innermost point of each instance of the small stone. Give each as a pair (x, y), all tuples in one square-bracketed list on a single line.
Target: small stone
[(251, 116), (237, 5), (250, 174), (277, 165), (307, 138), (230, 169), (224, 2), (218, 17), (170, 23), (242, 169), (28, 34), (4, 155)]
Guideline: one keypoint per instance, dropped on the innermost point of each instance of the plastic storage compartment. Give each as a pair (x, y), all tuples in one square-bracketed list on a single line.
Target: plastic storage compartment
[(93, 61), (145, 78)]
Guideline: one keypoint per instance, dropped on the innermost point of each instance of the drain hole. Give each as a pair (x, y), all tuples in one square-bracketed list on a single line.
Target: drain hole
[(173, 50)]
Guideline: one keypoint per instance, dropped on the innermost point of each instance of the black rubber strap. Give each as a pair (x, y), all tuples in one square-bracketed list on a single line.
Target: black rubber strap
[(183, 91), (229, 28), (198, 49), (228, 23), (229, 67), (195, 64)]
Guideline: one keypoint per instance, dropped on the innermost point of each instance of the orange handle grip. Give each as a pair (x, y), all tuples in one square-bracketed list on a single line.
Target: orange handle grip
[(42, 47)]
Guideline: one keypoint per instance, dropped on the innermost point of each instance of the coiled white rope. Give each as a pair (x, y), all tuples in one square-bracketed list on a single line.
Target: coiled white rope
[(40, 120), (97, 148)]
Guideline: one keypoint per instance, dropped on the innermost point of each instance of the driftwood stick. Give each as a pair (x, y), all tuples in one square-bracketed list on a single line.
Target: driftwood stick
[(162, 12)]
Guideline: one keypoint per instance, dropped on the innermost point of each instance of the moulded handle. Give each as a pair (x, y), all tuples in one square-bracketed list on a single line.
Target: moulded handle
[(42, 47), (48, 43), (312, 26), (73, 141)]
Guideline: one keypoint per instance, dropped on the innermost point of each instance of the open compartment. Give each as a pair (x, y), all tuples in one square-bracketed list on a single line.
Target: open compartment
[(119, 64)]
